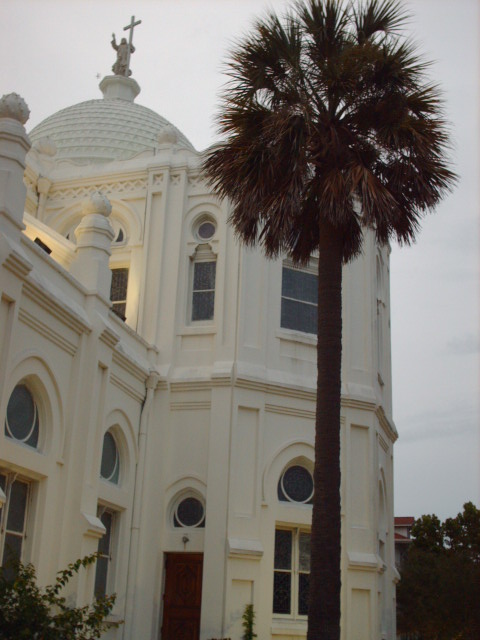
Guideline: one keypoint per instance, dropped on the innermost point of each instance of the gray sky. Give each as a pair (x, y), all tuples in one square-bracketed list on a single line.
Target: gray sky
[(51, 54)]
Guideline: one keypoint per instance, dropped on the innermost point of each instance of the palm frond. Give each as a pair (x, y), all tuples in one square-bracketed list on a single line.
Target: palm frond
[(377, 17), (328, 106)]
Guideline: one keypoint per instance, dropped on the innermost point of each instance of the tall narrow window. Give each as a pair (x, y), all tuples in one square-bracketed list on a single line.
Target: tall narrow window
[(291, 572), (104, 552), (299, 299), (118, 291), (13, 520), (203, 290)]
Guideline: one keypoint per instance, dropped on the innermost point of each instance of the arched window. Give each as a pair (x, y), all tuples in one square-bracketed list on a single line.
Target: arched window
[(21, 421), (110, 467), (296, 485), (189, 511)]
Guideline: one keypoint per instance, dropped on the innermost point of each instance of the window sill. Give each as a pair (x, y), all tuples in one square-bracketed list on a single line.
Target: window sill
[(200, 329), (282, 627), (289, 335)]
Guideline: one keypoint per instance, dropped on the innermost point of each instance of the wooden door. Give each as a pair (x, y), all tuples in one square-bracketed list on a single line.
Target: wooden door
[(182, 598)]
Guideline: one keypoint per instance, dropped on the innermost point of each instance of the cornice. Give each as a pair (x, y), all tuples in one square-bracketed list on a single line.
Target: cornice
[(364, 561), (109, 337), (56, 306), (191, 405), (387, 426), (275, 389), (290, 411), (127, 363), (121, 384), (44, 330)]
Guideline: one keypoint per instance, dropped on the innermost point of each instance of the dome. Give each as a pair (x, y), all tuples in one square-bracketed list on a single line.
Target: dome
[(112, 128)]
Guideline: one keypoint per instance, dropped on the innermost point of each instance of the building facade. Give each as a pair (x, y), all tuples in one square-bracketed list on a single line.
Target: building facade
[(157, 387)]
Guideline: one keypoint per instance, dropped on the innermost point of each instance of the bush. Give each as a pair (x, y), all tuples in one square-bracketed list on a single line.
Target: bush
[(33, 613)]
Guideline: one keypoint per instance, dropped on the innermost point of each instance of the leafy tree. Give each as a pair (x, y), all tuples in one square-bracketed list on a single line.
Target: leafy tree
[(331, 128), (439, 593), (33, 613)]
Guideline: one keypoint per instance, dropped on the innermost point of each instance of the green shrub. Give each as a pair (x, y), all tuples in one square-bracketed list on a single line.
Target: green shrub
[(248, 623), (33, 613)]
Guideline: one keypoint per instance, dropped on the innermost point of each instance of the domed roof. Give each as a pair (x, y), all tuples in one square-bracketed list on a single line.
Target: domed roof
[(112, 128)]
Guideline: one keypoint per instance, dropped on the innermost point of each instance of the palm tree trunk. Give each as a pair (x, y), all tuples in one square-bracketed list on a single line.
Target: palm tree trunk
[(324, 604)]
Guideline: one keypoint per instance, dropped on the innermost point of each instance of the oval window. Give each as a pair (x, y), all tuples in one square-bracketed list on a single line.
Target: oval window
[(110, 468), (189, 513), (21, 421), (296, 485)]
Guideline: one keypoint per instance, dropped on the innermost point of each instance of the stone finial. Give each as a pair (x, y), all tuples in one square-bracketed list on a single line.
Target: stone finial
[(167, 135), (45, 146), (94, 236), (97, 203), (14, 106)]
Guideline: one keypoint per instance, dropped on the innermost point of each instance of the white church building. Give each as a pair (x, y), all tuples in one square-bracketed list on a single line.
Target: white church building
[(157, 388)]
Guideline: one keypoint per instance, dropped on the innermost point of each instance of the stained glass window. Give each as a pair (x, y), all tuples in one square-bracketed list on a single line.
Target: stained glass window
[(203, 292), (110, 467), (299, 300), (296, 485), (21, 421), (291, 572), (189, 513), (206, 230), (104, 552), (14, 521), (118, 291)]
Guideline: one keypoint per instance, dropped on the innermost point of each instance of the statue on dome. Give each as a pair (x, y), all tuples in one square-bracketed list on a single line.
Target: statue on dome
[(122, 63)]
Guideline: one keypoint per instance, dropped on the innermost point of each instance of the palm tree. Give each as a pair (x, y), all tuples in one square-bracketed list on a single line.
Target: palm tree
[(331, 128)]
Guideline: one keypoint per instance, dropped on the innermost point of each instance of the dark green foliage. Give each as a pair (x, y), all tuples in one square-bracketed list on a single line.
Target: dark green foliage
[(248, 623), (30, 612), (439, 593)]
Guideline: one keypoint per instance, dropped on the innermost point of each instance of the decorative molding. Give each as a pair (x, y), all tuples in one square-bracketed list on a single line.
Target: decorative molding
[(387, 426), (175, 179), (131, 365), (157, 179), (190, 405), (363, 561), (16, 262), (290, 411), (119, 186), (121, 384), (199, 385), (194, 179), (109, 337), (40, 327), (382, 443), (95, 527), (56, 307), (244, 549), (276, 389), (354, 403)]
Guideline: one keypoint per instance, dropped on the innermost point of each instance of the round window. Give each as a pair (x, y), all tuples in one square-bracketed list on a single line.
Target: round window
[(205, 230), (110, 468), (296, 485), (189, 513), (21, 421)]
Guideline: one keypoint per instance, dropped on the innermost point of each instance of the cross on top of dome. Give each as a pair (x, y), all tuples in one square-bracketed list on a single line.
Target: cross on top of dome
[(124, 50)]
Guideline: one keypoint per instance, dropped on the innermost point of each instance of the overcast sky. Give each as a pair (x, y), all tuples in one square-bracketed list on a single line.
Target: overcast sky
[(55, 53)]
